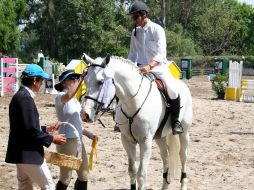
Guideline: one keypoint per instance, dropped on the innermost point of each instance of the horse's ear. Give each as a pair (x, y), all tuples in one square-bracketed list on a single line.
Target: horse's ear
[(107, 58), (88, 60)]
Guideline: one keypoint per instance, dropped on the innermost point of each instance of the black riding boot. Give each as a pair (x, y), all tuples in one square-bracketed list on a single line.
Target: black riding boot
[(80, 185), (61, 186), (175, 111)]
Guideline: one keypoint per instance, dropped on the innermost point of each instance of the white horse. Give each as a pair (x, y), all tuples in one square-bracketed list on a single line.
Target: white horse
[(139, 114)]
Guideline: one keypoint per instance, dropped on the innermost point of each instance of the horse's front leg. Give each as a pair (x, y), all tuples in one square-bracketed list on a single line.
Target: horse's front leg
[(184, 141), (130, 149), (162, 143), (145, 155)]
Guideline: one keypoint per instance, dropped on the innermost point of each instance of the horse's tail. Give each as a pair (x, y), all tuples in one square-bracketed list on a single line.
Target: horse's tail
[(174, 158)]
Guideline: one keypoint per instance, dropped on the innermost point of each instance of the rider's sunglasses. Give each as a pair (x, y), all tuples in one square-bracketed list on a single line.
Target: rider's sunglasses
[(135, 17)]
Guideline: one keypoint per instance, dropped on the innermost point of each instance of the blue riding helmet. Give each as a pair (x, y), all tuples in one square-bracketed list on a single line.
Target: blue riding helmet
[(34, 70)]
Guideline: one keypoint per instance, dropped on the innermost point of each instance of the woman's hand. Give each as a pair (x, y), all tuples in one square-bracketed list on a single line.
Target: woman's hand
[(59, 139), (72, 90), (89, 134), (53, 127)]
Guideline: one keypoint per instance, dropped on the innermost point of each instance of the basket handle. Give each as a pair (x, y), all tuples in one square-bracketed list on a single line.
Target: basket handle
[(67, 123)]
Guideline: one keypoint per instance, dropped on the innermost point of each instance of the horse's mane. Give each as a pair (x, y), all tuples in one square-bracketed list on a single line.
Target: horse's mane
[(125, 61)]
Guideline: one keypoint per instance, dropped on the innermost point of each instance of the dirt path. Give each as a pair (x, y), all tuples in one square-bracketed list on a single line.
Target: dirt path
[(221, 153)]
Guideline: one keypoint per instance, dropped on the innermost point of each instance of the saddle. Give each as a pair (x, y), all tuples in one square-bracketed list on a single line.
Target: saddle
[(163, 90), (161, 87)]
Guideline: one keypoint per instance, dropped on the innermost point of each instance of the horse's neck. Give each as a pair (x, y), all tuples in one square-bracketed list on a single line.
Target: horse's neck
[(127, 81)]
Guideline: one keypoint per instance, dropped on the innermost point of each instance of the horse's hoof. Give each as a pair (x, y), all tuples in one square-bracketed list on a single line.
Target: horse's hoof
[(184, 187), (133, 186), (116, 128)]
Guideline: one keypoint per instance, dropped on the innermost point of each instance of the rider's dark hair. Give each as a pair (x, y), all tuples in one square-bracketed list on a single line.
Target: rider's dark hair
[(28, 81), (143, 14)]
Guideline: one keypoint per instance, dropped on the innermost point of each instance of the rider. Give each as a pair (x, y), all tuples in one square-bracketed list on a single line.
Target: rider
[(148, 49)]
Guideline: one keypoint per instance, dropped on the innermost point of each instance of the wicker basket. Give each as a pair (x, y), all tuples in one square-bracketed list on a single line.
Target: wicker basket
[(63, 160)]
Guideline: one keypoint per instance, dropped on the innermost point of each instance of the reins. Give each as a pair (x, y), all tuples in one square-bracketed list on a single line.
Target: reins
[(106, 110)]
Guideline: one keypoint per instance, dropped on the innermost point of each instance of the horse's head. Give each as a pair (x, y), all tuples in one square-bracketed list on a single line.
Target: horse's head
[(100, 89)]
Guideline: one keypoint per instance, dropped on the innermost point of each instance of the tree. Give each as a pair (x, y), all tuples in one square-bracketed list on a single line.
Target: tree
[(183, 11), (9, 33), (215, 30), (64, 29), (179, 43), (76, 26), (244, 14)]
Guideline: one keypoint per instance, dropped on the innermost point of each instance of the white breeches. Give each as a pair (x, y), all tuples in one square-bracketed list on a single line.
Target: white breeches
[(71, 148), (162, 72), (29, 173)]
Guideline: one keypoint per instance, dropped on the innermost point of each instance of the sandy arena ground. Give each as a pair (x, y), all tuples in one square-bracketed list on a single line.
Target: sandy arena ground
[(221, 152)]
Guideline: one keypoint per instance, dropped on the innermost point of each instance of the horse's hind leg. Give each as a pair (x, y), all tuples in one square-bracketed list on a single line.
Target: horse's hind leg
[(162, 143), (130, 149), (184, 141)]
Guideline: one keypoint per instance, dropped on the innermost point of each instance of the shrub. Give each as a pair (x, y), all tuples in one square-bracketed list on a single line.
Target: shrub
[(219, 83)]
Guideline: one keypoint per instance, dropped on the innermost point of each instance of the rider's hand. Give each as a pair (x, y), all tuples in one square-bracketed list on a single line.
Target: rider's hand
[(59, 139), (145, 69)]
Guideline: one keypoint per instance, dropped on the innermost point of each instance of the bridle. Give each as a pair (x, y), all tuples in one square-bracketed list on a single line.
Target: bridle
[(98, 106)]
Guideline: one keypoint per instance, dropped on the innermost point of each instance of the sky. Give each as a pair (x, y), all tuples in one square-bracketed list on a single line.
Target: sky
[(250, 2)]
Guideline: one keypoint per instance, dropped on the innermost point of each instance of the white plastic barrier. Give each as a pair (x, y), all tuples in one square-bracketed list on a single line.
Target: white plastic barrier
[(235, 74), (247, 90), (49, 84), (234, 81)]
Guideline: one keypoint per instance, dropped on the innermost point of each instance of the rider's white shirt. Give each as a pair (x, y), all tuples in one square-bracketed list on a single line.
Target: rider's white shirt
[(148, 44)]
